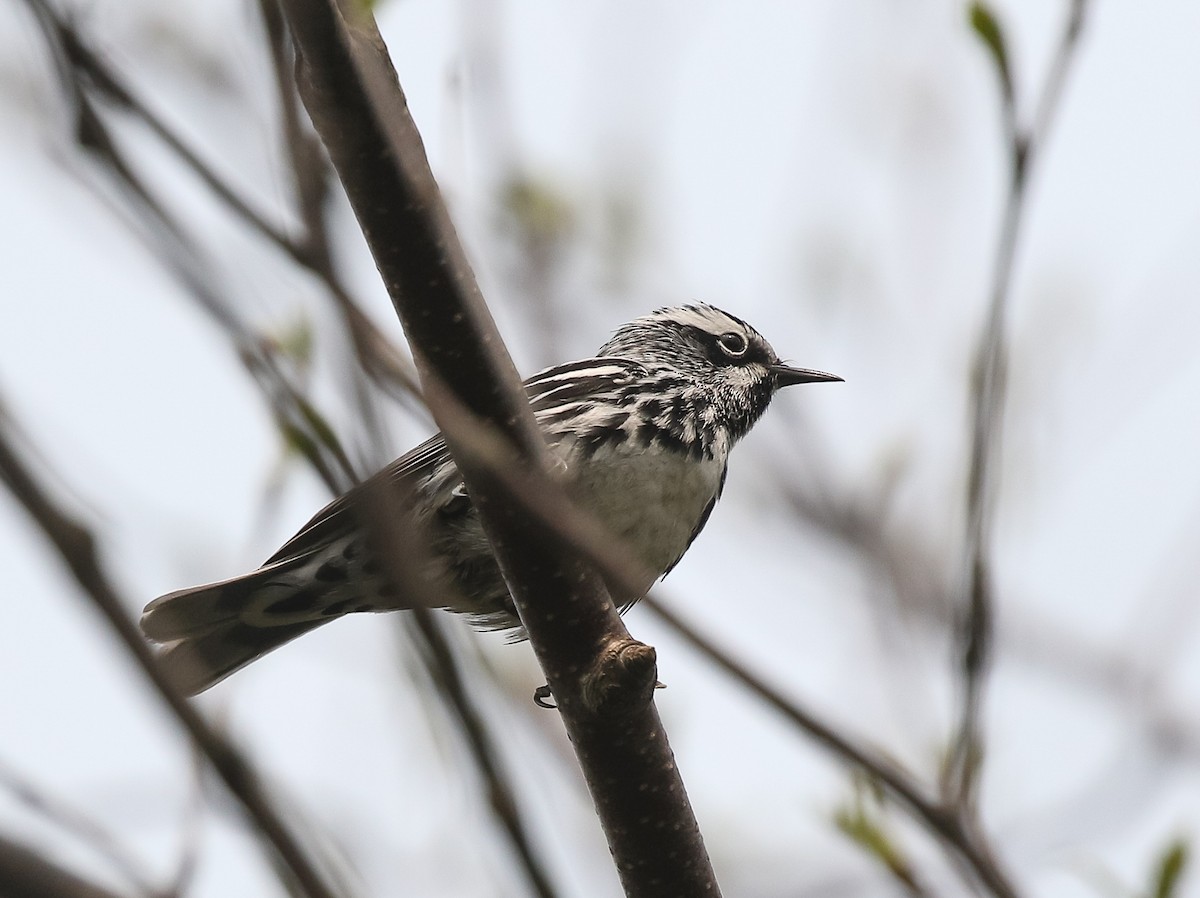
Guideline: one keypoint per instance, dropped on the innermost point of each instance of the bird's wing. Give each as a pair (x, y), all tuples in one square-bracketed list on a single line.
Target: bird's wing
[(335, 519), (563, 385), (555, 389)]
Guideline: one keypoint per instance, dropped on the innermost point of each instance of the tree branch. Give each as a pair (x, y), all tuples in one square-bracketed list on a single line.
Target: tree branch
[(351, 93), (84, 73), (84, 829), (76, 547), (989, 382), (443, 667), (25, 873), (940, 820)]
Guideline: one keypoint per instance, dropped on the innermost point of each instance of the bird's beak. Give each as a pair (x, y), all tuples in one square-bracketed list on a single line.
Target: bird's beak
[(786, 376)]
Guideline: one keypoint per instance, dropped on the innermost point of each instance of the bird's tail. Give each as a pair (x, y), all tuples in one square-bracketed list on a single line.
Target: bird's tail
[(209, 632)]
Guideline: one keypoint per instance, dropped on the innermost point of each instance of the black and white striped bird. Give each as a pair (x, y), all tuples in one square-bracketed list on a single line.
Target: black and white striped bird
[(644, 431)]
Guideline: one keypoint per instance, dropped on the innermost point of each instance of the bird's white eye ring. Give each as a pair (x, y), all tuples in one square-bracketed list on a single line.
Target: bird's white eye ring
[(733, 344)]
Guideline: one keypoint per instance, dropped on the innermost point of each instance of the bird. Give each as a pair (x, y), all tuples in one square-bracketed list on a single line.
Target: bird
[(643, 430)]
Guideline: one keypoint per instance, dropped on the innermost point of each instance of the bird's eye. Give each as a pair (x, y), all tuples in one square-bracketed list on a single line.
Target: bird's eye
[(733, 345)]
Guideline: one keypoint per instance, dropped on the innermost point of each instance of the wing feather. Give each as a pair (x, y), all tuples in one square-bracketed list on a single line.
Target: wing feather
[(335, 520), (552, 389)]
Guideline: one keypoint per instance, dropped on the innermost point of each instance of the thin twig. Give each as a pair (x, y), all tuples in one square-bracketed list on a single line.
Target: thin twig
[(908, 564), (442, 664), (76, 547), (311, 251), (311, 176), (292, 412), (78, 824), (295, 416), (381, 517), (987, 412), (940, 820)]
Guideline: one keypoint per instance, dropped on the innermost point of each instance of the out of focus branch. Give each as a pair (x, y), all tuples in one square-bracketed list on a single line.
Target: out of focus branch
[(942, 821), (910, 567), (76, 546), (25, 873), (614, 560), (379, 512), (84, 73), (87, 831), (443, 666), (351, 92), (311, 175), (989, 378)]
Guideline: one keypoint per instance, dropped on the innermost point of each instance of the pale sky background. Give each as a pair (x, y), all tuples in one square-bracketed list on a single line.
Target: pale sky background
[(830, 171)]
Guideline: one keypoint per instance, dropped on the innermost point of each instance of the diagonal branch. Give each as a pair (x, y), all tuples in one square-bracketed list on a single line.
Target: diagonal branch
[(84, 74), (443, 665), (26, 873), (961, 840), (76, 547), (72, 821), (352, 95)]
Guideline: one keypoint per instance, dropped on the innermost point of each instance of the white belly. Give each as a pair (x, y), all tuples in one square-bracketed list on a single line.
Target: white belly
[(653, 500)]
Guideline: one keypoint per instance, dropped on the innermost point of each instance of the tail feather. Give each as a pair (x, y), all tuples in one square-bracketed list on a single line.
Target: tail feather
[(208, 632), (193, 612), (198, 662)]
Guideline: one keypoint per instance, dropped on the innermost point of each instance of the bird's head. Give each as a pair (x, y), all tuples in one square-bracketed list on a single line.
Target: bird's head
[(730, 367)]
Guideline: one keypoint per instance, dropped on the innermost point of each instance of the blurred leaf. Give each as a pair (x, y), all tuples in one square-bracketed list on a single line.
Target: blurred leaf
[(296, 342), (865, 828), (320, 435), (540, 211), (297, 441), (321, 428), (867, 786), (987, 27), (1170, 870)]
